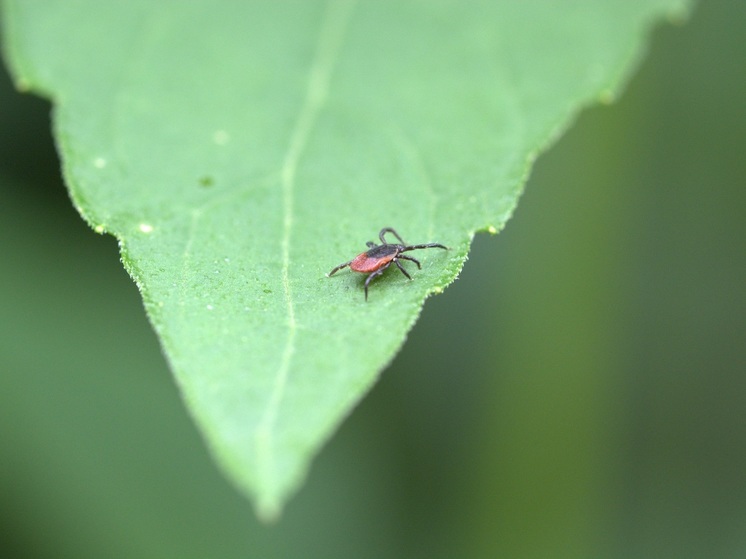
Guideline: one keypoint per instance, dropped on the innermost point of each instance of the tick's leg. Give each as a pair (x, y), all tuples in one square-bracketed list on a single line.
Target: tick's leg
[(371, 244), (338, 268), (393, 232), (411, 260), (403, 271), (428, 245), (371, 276)]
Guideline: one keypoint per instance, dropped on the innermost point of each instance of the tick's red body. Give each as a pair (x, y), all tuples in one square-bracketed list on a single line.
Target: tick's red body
[(377, 258), (374, 259)]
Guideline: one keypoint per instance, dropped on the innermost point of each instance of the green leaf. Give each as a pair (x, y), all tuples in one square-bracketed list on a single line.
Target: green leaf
[(239, 151)]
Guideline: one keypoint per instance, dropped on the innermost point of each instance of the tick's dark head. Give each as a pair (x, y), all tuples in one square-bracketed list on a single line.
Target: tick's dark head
[(384, 251)]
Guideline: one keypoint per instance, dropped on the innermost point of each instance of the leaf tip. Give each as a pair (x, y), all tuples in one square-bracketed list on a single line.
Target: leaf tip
[(268, 510)]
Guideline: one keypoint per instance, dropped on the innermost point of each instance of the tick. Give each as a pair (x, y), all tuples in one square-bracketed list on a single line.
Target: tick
[(377, 258)]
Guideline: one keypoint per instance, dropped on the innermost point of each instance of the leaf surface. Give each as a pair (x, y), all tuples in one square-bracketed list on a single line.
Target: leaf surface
[(239, 151)]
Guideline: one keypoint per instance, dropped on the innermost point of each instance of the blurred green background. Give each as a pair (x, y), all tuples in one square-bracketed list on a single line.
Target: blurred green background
[(579, 392)]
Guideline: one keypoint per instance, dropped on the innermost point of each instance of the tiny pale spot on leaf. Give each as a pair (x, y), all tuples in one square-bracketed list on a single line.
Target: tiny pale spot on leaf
[(220, 137)]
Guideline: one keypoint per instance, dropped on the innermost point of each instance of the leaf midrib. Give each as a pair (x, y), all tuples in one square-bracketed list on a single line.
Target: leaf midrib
[(335, 21)]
